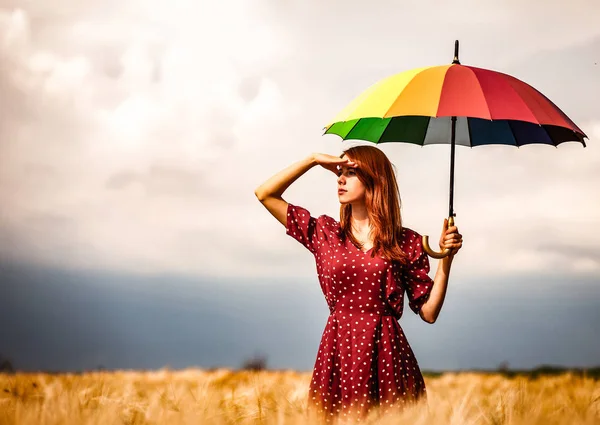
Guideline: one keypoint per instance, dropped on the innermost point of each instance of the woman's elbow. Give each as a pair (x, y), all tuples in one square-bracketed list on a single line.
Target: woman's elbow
[(260, 194), (428, 318)]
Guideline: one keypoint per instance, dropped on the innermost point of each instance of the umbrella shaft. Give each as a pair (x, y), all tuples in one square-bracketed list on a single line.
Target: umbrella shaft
[(452, 149)]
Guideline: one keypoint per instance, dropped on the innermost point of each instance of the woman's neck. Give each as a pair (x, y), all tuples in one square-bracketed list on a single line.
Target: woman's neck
[(360, 218)]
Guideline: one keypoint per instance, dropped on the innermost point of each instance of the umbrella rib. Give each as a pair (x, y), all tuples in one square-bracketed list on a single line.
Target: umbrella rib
[(469, 130), (352, 128), (575, 128), (400, 94), (482, 91), (512, 131), (555, 142), (507, 79)]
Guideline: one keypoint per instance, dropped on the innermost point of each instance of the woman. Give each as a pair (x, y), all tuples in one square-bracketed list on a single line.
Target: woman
[(365, 263)]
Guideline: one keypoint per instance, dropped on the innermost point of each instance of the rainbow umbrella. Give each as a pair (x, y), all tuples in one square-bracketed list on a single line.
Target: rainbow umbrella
[(454, 104)]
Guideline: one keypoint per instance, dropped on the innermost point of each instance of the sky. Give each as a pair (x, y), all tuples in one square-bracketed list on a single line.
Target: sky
[(133, 134)]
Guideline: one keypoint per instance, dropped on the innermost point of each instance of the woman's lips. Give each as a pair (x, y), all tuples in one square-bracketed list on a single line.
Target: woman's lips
[(340, 191)]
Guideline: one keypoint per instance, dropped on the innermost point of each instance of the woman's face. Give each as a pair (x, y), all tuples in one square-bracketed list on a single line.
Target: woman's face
[(350, 188)]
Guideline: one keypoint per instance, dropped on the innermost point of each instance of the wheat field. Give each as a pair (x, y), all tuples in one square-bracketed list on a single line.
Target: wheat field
[(278, 397)]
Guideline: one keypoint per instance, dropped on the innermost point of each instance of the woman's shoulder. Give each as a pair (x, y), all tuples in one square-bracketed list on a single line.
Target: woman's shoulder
[(323, 219), (407, 232), (328, 221), (410, 239)]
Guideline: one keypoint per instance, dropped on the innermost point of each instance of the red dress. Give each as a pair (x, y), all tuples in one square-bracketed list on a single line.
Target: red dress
[(364, 359)]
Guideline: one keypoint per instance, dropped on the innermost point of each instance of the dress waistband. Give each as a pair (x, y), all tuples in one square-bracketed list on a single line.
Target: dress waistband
[(362, 312)]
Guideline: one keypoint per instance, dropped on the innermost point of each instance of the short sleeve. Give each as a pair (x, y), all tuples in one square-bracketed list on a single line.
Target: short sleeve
[(417, 282), (394, 294), (303, 227)]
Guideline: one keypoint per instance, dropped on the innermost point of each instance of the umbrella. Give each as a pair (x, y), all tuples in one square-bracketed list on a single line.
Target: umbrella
[(455, 104)]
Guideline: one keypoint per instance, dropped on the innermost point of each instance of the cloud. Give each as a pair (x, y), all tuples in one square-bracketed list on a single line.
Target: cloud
[(105, 124), (161, 180), (146, 126)]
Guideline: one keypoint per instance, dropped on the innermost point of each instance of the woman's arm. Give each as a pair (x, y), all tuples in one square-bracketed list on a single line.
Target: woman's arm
[(269, 193), (431, 308)]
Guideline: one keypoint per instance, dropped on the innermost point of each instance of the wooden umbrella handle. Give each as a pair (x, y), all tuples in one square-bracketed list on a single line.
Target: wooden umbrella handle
[(431, 252)]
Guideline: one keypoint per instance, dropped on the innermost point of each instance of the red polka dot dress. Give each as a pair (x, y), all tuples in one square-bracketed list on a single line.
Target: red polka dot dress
[(364, 359)]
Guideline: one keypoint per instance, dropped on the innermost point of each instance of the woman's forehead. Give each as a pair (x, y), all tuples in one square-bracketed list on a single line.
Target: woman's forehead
[(344, 167)]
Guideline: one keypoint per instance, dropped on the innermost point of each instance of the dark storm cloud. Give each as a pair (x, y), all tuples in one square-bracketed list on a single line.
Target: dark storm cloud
[(73, 321)]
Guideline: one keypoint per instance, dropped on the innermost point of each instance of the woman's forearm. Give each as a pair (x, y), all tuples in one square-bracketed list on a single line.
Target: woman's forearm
[(277, 184), (432, 307)]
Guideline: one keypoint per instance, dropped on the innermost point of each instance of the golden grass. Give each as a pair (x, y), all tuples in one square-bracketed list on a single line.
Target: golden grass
[(239, 397)]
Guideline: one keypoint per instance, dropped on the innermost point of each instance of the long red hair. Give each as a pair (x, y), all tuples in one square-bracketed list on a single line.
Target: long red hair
[(382, 200)]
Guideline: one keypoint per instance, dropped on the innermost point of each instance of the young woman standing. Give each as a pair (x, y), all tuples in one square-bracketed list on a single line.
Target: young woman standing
[(365, 263)]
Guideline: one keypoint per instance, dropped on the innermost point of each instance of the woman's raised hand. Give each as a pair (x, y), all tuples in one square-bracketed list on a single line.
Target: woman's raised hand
[(331, 162)]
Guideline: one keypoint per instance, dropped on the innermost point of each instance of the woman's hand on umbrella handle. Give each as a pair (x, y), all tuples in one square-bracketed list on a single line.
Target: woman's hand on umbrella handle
[(331, 162), (450, 240)]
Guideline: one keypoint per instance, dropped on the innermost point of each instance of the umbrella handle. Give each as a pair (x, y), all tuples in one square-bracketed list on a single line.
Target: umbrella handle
[(431, 252)]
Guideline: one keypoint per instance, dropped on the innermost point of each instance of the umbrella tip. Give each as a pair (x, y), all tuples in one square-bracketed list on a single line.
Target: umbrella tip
[(456, 61)]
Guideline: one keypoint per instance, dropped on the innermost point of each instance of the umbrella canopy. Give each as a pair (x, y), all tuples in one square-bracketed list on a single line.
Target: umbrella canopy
[(454, 104), (492, 108)]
